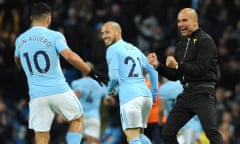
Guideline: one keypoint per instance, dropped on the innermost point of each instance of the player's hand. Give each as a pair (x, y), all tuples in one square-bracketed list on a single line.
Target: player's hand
[(154, 101), (109, 100), (171, 62), (152, 59), (98, 76)]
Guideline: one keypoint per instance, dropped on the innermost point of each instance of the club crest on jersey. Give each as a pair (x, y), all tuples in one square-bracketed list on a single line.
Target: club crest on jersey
[(64, 41)]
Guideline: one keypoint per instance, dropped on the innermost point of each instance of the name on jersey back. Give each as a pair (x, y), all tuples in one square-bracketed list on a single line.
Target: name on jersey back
[(41, 39)]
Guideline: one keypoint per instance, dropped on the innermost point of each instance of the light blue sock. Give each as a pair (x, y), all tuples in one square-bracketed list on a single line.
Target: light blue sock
[(135, 141), (73, 138), (144, 139)]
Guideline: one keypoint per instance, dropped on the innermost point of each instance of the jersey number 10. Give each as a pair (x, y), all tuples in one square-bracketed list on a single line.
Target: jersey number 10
[(36, 62)]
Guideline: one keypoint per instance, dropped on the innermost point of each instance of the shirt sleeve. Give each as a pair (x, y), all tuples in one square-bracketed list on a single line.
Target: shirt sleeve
[(171, 89), (104, 91), (112, 62), (153, 76), (75, 85), (61, 42)]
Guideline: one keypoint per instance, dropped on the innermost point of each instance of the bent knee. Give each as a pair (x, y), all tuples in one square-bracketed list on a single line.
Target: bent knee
[(80, 119), (76, 125)]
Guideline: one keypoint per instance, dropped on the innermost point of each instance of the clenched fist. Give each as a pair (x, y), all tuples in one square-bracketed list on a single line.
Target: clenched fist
[(152, 59), (171, 62)]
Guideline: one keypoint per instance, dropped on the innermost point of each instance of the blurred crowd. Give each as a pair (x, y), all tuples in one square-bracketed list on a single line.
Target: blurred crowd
[(149, 24)]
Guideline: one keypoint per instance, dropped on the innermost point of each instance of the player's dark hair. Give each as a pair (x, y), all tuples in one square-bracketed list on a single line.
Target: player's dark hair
[(39, 9)]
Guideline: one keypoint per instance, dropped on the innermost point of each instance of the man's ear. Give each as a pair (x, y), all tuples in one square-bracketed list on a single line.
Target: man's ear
[(49, 19)]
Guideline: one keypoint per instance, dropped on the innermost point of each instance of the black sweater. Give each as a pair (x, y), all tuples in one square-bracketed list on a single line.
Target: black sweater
[(197, 58)]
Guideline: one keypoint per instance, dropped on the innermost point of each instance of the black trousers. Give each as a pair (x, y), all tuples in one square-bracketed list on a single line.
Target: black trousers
[(198, 100)]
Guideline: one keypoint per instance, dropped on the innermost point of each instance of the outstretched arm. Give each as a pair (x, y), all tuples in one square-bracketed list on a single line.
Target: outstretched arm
[(75, 60), (79, 63)]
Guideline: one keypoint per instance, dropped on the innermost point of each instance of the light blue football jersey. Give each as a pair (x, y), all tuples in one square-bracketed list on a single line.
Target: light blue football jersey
[(125, 69), (169, 91), (91, 95), (38, 49)]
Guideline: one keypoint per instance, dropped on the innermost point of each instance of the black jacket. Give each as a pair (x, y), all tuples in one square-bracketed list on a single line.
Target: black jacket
[(199, 63)]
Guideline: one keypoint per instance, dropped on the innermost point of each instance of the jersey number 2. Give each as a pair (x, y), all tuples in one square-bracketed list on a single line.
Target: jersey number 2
[(131, 72)]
